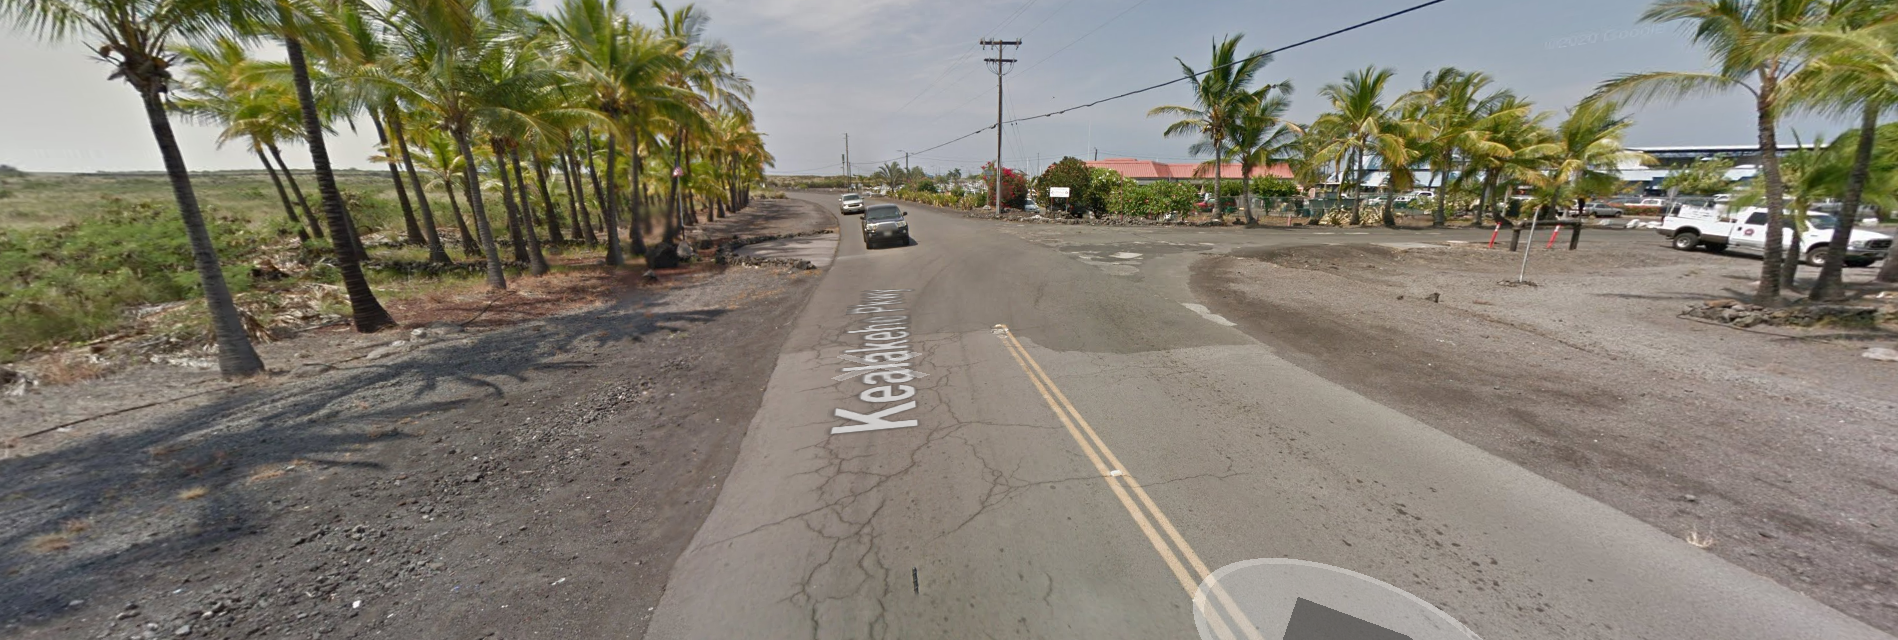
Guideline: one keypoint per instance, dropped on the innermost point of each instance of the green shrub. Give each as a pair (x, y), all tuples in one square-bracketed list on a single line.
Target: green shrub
[(1152, 200), (74, 281)]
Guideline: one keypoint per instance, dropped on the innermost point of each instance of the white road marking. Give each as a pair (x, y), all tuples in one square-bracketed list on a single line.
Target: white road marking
[(1208, 314), (1124, 255)]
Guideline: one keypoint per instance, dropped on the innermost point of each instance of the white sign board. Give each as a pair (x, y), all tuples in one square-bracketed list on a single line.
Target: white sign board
[(1057, 192)]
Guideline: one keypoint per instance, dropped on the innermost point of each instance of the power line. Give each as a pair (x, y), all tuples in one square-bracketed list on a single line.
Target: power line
[(1084, 36), (1050, 16), (1242, 61), (965, 54), (1184, 78)]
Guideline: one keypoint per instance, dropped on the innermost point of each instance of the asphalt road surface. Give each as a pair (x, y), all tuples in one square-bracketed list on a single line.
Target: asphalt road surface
[(1087, 444)]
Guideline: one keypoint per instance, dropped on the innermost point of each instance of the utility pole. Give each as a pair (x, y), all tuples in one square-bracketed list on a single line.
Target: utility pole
[(1000, 62), (850, 181), (905, 168)]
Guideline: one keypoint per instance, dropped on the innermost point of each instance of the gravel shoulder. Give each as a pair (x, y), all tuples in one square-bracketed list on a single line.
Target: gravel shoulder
[(1775, 447), (535, 479)]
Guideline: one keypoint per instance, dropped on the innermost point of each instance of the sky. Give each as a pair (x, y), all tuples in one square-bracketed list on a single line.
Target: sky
[(900, 75)]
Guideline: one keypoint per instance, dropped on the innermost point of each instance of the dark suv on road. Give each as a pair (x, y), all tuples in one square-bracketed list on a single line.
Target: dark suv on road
[(885, 224)]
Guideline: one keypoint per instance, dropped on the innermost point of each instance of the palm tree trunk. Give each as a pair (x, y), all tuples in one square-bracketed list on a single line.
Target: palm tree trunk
[(468, 245), (1831, 283), (283, 196), (577, 200), (517, 243), (430, 233), (641, 217), (1219, 212), (1246, 168), (599, 194), (401, 192), (613, 256), (547, 202), (1489, 191), (537, 261), (315, 228), (471, 181), (1443, 198), (1357, 188), (1772, 251), (368, 313), (675, 219), (566, 180), (235, 356)]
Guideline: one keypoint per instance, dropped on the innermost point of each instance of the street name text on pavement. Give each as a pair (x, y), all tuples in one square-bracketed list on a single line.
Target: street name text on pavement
[(883, 363)]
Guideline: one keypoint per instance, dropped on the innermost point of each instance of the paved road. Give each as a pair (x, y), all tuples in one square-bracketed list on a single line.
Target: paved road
[(1080, 484)]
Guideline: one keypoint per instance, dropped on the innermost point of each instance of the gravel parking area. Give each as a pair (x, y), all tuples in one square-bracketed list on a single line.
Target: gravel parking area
[(1774, 448)]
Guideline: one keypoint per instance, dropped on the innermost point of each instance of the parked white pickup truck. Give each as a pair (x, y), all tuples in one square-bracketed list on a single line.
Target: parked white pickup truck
[(1745, 232)]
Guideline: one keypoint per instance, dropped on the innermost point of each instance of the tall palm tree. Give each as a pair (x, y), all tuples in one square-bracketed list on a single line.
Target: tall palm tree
[(1853, 73), (1452, 108), (1218, 94), (1262, 136), (133, 37), (1585, 154), (705, 74), (298, 24), (1517, 132), (1740, 37), (623, 65), (1360, 127), (445, 43), (436, 152), (216, 89)]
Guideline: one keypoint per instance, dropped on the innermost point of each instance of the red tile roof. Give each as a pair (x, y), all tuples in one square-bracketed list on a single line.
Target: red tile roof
[(1151, 170)]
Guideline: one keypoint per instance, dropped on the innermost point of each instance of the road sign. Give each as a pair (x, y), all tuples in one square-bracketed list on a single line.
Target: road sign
[(1057, 192)]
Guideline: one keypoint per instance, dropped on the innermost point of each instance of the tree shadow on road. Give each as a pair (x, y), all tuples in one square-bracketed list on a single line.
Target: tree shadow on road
[(76, 518)]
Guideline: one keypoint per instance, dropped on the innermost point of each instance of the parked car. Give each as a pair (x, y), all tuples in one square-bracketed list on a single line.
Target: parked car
[(1601, 210), (1745, 232), (1030, 206), (852, 203), (884, 224)]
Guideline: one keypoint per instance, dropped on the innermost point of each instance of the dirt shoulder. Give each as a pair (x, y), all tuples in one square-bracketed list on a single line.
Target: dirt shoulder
[(1777, 448), (532, 479)]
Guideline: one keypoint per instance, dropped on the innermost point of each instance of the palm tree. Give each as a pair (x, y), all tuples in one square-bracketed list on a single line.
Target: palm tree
[(215, 90), (445, 42), (296, 24), (1453, 107), (133, 36), (891, 174), (1517, 132), (437, 154), (1262, 136), (624, 66), (705, 76), (1853, 73), (1360, 126), (1740, 36), (355, 74), (1218, 94), (1585, 153)]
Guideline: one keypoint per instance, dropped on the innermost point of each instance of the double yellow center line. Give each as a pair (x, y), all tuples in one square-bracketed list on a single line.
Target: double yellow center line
[(1122, 482)]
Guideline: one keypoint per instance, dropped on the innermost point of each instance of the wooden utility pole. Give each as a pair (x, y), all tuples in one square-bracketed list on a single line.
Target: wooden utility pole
[(1000, 63)]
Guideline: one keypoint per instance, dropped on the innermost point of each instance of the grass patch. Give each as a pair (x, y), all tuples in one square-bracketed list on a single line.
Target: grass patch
[(99, 258), (193, 493)]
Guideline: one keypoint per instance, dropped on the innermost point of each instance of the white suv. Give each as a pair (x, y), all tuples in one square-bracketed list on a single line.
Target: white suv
[(852, 203)]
